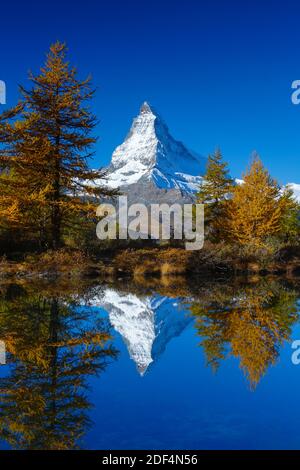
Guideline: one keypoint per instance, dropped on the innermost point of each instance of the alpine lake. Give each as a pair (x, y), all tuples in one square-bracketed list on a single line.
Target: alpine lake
[(171, 363)]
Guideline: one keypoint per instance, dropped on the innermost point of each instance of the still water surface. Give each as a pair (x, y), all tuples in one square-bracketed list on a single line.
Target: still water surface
[(150, 365)]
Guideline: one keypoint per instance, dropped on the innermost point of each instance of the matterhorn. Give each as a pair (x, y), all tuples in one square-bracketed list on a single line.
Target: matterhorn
[(151, 166)]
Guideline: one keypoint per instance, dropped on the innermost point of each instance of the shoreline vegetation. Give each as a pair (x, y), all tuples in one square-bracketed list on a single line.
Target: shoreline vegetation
[(159, 263), (48, 228)]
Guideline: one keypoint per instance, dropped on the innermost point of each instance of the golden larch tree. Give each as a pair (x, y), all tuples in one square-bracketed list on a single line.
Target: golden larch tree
[(47, 143), (256, 209)]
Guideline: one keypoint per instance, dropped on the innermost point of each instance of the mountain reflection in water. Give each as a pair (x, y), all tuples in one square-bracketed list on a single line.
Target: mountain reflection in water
[(63, 343)]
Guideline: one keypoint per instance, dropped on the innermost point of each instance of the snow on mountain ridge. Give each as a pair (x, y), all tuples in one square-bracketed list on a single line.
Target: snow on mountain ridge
[(150, 153)]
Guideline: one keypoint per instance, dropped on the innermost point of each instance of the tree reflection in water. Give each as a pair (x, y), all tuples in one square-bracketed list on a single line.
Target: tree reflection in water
[(53, 347), (249, 322)]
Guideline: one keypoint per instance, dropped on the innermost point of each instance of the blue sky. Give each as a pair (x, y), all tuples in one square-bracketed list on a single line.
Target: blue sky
[(219, 72)]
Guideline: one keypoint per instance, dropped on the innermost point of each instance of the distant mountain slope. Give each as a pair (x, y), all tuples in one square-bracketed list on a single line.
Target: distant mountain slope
[(293, 186), (296, 190)]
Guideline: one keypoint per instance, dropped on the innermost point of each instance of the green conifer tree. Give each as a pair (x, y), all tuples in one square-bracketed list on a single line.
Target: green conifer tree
[(215, 188)]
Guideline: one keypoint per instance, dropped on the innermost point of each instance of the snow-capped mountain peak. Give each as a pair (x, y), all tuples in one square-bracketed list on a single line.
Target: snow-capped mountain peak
[(146, 109), (150, 154), (140, 144)]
